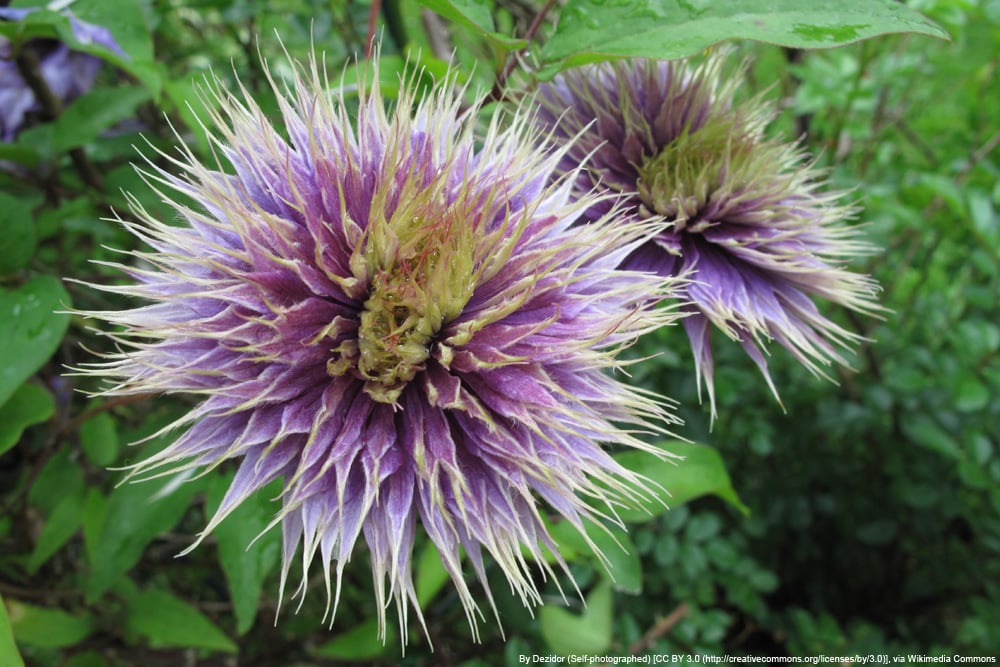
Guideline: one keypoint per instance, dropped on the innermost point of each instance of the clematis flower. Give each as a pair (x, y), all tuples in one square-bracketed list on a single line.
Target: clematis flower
[(68, 73), (396, 317), (746, 216)]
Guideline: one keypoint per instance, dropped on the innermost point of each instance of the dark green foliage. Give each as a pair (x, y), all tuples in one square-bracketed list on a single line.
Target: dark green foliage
[(874, 505)]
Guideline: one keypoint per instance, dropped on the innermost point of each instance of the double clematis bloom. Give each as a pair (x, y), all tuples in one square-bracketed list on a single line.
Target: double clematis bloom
[(746, 217), (67, 73), (398, 318)]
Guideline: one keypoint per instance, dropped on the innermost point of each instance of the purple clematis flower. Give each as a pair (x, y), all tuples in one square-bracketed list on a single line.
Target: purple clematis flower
[(68, 73), (397, 317), (745, 216)]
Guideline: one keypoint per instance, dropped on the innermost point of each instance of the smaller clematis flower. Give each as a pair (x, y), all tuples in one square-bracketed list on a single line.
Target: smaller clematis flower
[(747, 217), (67, 73)]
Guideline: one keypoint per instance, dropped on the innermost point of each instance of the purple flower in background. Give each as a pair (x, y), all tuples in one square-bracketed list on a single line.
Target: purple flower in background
[(747, 220), (68, 73), (396, 317)]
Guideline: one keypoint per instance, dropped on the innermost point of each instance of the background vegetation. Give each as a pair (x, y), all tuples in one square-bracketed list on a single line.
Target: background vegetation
[(862, 518)]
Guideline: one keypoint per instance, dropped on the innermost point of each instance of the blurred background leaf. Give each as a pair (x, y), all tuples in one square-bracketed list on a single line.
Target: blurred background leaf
[(30, 329), (167, 621)]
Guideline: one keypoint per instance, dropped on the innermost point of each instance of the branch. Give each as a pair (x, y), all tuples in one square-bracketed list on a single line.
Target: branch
[(662, 627), (437, 35), (372, 25), (30, 69)]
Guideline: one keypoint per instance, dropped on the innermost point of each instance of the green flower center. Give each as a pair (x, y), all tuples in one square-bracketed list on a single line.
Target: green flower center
[(678, 182), (420, 276), (396, 328)]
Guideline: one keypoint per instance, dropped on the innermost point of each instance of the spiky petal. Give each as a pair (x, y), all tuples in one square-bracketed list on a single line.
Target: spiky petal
[(396, 317), (746, 215)]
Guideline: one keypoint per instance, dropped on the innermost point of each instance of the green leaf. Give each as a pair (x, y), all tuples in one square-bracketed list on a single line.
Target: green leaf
[(30, 329), (700, 473), (95, 511), (17, 242), (45, 627), (9, 655), (574, 634), (971, 395), (476, 15), (983, 216), (99, 439), (431, 575), (980, 448), (39, 23), (167, 621), (125, 20), (29, 405), (245, 565), (136, 513), (37, 140), (18, 153), (950, 192), (93, 113), (877, 531), (621, 558), (359, 643), (60, 477), (594, 30), (79, 212), (923, 430), (975, 338), (703, 527), (59, 528), (88, 659)]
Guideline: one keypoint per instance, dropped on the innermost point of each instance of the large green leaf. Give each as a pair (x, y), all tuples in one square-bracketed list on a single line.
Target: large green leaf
[(245, 565), (94, 512), (59, 527), (30, 329), (167, 621), (17, 242), (587, 633), (594, 30), (29, 405), (431, 576), (99, 439), (47, 627), (621, 558), (39, 23), (474, 14), (14, 152), (61, 476), (9, 655), (125, 20), (136, 514), (700, 473), (95, 112), (360, 643)]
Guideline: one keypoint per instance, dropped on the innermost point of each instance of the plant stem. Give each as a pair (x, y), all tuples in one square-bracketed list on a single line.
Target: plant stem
[(29, 67), (510, 63)]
